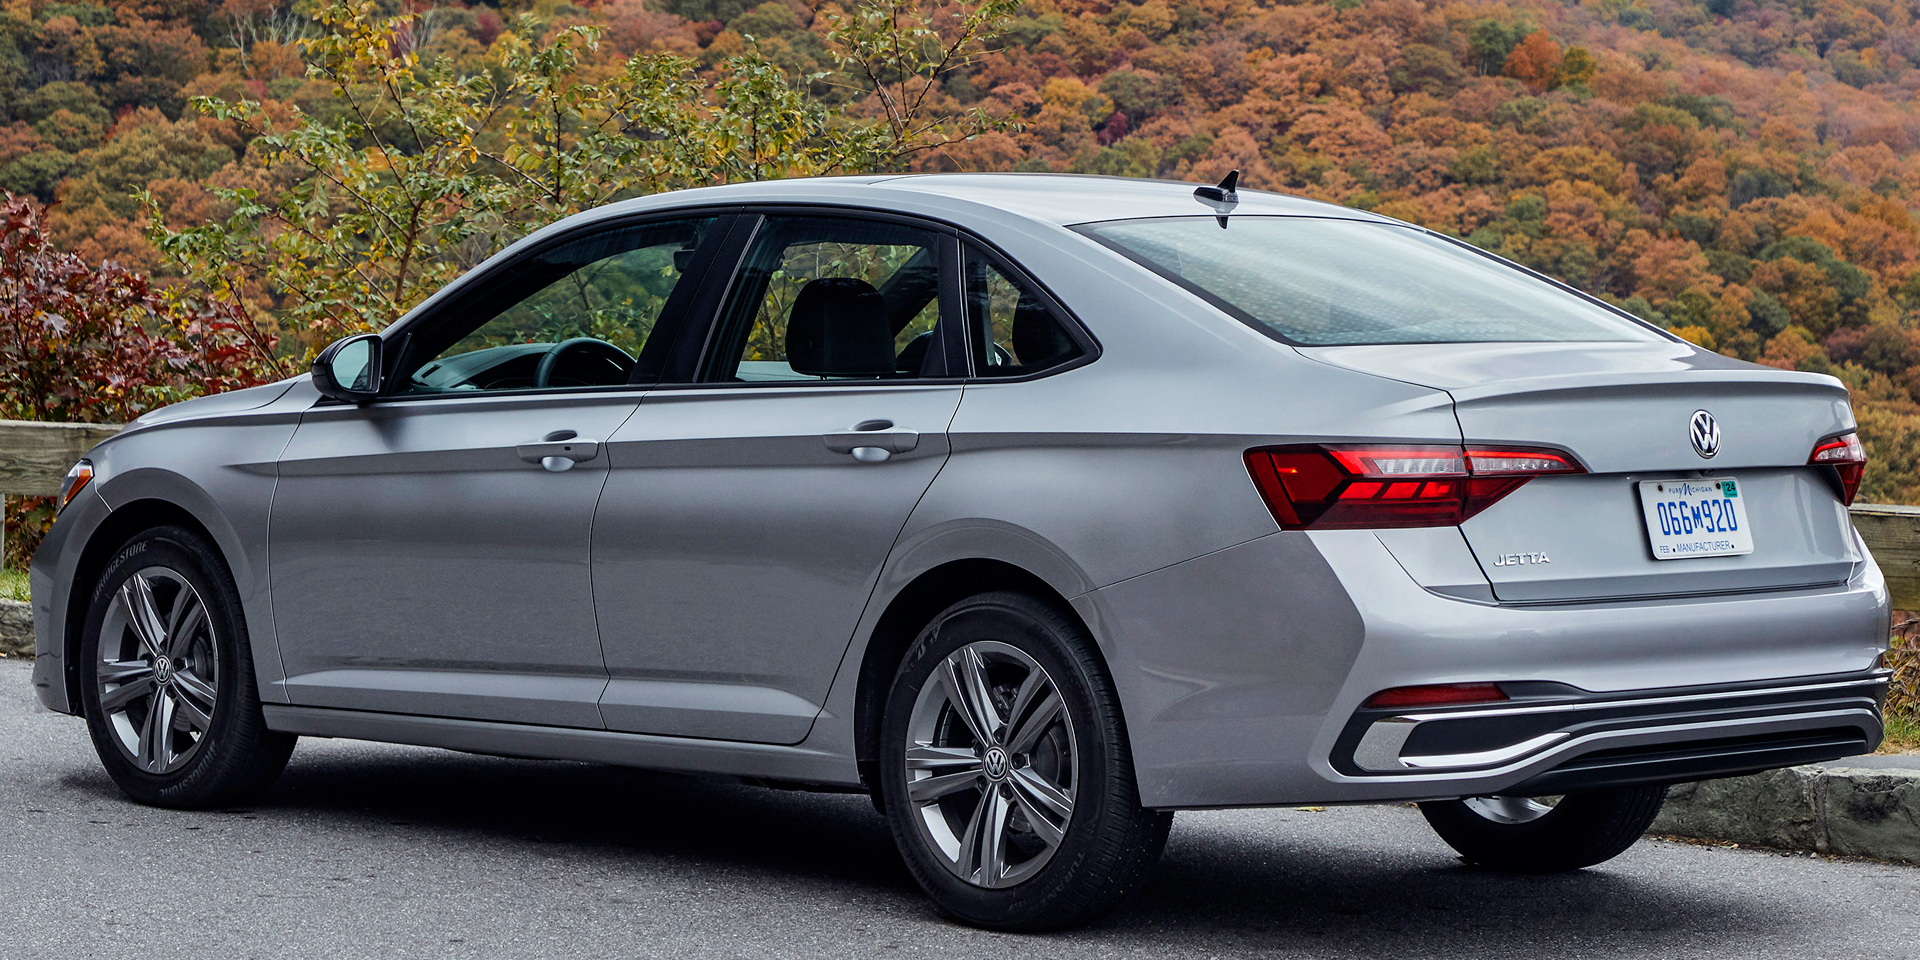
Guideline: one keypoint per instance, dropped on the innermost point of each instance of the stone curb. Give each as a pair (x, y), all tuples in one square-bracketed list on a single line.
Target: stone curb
[(1826, 808), (16, 628)]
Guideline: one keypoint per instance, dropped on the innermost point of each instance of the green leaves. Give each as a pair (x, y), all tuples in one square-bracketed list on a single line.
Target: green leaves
[(426, 171)]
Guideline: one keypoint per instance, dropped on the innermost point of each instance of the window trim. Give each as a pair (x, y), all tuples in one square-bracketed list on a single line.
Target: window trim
[(1069, 324), (755, 217), (1087, 230), (748, 227), (674, 322)]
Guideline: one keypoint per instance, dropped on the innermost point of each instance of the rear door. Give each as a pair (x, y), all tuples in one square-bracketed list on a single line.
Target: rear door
[(749, 512)]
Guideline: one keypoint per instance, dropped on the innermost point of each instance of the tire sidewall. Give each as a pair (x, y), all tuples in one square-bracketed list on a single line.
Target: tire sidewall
[(196, 562), (1007, 621)]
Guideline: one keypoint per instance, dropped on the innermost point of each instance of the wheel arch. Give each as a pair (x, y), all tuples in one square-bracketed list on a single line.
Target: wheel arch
[(121, 525), (909, 611)]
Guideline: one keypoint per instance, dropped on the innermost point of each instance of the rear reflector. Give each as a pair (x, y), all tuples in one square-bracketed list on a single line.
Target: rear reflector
[(1847, 458), (1437, 695), (1345, 486)]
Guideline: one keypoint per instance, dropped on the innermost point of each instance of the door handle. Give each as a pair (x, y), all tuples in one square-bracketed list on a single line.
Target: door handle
[(559, 451), (872, 441)]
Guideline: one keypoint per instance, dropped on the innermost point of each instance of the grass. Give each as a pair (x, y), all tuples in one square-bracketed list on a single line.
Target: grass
[(1903, 736), (1903, 696), (13, 584)]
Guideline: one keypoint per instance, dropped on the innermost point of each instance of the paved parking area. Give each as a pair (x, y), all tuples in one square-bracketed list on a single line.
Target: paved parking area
[(374, 851)]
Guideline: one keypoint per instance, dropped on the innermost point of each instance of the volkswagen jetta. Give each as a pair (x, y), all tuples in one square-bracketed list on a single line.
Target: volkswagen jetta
[(1037, 507)]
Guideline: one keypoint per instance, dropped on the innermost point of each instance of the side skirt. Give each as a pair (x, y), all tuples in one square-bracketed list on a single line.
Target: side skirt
[(798, 764)]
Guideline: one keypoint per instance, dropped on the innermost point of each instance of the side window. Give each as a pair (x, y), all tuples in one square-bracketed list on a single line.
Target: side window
[(830, 298), (1011, 329), (580, 314)]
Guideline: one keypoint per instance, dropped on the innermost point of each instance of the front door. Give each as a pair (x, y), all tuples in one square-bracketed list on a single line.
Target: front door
[(748, 515), (429, 551)]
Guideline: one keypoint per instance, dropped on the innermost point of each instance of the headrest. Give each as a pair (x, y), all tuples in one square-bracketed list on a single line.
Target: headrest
[(1038, 340), (838, 328)]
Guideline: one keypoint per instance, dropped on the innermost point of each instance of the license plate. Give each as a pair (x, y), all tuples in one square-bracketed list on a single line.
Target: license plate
[(1695, 518)]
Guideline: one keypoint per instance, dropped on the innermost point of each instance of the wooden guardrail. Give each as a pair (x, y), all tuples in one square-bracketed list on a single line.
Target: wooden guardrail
[(1893, 534), (34, 456)]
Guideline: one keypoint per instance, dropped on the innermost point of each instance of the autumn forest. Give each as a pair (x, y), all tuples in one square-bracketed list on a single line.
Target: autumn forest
[(1742, 172)]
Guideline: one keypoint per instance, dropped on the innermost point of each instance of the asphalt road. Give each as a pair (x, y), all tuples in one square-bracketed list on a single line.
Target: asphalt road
[(372, 851)]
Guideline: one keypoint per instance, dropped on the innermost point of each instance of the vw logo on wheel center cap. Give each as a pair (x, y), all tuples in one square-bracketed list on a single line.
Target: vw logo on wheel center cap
[(996, 763), (162, 670), (1704, 431)]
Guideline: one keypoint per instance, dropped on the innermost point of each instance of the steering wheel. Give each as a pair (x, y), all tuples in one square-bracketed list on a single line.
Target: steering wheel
[(543, 374)]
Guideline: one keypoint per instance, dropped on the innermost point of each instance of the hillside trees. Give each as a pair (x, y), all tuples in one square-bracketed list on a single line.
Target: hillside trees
[(427, 162)]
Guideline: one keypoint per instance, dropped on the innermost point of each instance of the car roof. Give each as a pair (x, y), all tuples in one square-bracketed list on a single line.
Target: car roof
[(1072, 198), (1061, 199), (1050, 198)]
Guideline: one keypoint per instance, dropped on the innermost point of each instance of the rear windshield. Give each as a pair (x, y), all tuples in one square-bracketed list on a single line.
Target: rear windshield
[(1322, 282)]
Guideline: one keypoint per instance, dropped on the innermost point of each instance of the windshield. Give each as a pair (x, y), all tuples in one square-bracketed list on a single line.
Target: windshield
[(1324, 282)]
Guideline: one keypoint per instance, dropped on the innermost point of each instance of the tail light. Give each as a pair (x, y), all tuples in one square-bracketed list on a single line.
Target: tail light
[(1344, 486), (1847, 458)]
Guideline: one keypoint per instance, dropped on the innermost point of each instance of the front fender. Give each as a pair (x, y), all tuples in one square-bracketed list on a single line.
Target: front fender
[(218, 470)]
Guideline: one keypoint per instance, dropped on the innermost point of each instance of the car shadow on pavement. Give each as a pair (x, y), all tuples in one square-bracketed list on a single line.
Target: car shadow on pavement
[(1227, 885)]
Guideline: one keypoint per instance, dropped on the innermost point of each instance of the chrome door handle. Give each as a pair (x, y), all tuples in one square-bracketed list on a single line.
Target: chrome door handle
[(559, 451), (872, 441)]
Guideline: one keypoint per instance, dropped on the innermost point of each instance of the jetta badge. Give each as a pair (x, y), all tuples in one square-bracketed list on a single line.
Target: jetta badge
[(1705, 432)]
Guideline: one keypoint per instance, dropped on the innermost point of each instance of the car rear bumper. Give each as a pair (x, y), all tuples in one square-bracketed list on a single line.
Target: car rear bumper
[(1571, 740), (1243, 676)]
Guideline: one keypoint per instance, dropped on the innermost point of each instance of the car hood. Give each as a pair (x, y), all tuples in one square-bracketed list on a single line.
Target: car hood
[(233, 401)]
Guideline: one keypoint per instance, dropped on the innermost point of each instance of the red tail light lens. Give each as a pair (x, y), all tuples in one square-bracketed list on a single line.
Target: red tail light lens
[(1847, 458), (1340, 486), (1437, 695)]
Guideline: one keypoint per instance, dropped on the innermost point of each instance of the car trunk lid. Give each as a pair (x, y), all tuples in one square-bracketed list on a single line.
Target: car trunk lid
[(1625, 410)]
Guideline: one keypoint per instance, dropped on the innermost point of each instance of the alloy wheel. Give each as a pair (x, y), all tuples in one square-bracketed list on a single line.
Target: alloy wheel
[(991, 764), (1512, 809), (158, 671)]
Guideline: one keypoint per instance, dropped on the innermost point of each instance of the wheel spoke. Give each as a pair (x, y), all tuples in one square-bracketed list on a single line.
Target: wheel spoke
[(136, 599), (960, 687), (923, 757), (983, 856), (1036, 723), (928, 789), (123, 671), (195, 688), (1036, 788), (1029, 691), (991, 849), (188, 614), (187, 714), (130, 689), (156, 735), (1043, 826)]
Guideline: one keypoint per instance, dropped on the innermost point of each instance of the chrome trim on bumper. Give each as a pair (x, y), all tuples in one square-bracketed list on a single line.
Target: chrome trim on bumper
[(1383, 747)]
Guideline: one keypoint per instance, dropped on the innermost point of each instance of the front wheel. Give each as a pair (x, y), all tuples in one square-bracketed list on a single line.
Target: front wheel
[(167, 681), (1005, 772), (1546, 834)]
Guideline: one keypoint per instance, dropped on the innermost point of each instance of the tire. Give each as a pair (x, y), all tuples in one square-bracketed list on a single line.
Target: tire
[(1526, 836), (1054, 868), (171, 583)]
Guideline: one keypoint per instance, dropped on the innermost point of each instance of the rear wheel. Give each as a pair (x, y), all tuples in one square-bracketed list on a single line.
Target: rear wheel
[(1005, 772), (166, 676), (1546, 834)]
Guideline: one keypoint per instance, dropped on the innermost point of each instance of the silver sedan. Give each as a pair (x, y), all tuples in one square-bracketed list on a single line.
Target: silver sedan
[(1036, 507)]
